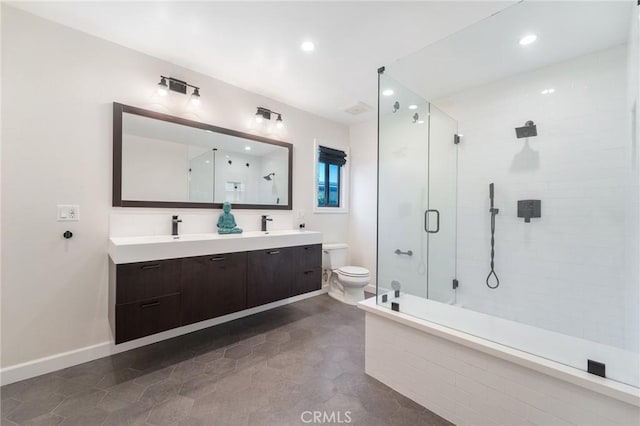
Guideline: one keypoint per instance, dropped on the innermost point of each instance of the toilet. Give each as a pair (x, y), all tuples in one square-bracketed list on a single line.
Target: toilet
[(346, 283)]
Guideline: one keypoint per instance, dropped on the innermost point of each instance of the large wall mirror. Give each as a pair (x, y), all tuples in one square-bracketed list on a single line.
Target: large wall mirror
[(165, 161)]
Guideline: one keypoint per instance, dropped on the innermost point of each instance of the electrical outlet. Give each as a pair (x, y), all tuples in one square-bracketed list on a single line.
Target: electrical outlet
[(68, 212)]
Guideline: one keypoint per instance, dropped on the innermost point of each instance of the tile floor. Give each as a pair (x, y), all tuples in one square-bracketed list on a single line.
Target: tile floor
[(266, 369)]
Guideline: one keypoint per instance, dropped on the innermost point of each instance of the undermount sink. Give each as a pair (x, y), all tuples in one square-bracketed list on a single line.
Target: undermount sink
[(158, 247)]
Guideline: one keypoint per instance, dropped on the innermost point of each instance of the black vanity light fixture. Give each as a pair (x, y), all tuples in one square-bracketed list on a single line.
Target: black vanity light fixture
[(265, 114), (175, 85)]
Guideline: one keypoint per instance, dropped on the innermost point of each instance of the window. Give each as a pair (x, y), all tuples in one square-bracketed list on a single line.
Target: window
[(330, 163)]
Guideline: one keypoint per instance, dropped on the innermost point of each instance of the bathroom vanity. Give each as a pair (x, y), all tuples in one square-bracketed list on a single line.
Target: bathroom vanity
[(158, 283)]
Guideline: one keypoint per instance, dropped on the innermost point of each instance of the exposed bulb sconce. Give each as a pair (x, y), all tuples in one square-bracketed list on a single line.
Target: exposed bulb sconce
[(396, 106), (179, 86), (416, 117), (265, 114)]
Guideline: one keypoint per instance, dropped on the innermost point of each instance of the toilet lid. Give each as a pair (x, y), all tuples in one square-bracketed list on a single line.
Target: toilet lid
[(353, 271)]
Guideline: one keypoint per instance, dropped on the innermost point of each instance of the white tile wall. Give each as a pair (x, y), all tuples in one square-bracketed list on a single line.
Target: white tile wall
[(469, 387), (569, 270)]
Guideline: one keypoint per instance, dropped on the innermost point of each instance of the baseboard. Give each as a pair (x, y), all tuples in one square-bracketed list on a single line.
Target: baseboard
[(37, 367)]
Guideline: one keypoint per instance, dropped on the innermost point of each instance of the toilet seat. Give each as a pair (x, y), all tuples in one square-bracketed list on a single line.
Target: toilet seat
[(353, 271)]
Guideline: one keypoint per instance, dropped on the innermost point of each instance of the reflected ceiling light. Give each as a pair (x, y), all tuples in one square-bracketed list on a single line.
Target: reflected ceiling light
[(307, 46), (247, 148), (528, 39), (387, 92), (265, 114), (413, 106), (420, 121), (179, 86), (548, 91)]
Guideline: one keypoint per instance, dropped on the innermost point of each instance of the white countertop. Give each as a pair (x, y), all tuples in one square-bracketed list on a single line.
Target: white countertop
[(159, 247)]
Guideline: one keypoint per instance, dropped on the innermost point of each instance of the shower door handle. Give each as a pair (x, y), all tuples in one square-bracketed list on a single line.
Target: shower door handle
[(426, 219)]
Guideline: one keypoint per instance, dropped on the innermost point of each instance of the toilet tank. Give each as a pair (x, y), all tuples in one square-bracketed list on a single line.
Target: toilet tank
[(334, 255)]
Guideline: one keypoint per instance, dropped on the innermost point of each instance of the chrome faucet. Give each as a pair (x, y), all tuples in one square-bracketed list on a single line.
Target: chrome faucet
[(174, 225), (265, 219)]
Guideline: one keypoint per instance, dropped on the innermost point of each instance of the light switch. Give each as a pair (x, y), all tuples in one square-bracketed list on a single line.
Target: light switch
[(68, 212)]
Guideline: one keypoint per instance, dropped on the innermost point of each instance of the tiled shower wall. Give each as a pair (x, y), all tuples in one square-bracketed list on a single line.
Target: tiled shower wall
[(567, 271)]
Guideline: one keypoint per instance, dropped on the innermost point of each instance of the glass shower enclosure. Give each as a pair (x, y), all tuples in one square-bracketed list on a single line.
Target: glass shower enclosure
[(417, 179)]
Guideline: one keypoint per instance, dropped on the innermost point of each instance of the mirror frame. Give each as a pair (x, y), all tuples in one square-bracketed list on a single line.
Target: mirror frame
[(120, 109)]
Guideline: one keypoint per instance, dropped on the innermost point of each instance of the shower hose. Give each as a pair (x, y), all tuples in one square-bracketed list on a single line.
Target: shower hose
[(493, 252)]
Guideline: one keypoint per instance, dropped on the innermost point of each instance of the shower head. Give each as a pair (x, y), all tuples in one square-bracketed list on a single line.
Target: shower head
[(526, 131), (268, 177)]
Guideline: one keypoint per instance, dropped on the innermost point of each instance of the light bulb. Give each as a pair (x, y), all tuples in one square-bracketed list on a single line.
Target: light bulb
[(195, 97), (279, 122), (163, 88)]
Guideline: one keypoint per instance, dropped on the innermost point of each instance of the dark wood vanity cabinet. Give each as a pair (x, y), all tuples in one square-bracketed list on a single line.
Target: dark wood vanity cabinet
[(270, 275), (213, 286), (149, 297)]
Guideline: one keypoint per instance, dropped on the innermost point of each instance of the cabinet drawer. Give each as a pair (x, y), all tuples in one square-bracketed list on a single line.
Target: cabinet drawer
[(145, 280), (145, 317), (308, 257), (307, 280)]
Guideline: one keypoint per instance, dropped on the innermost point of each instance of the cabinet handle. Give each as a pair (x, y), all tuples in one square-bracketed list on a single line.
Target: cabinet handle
[(155, 266), (309, 271), (149, 305), (307, 248), (273, 252), (216, 259)]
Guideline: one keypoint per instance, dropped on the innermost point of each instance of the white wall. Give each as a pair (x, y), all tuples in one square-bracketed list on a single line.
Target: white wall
[(364, 195), (58, 89), (569, 270)]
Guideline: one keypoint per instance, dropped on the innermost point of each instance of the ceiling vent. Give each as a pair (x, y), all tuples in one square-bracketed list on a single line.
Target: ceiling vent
[(359, 108)]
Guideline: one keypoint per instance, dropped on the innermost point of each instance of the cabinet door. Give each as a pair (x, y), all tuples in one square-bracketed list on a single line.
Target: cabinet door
[(308, 269), (145, 317), (213, 285), (270, 275)]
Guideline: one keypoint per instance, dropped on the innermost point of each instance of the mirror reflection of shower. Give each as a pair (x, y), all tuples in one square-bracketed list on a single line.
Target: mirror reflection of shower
[(274, 189)]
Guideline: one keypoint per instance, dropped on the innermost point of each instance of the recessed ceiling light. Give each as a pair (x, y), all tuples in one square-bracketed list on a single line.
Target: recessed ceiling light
[(528, 39), (548, 91), (413, 106), (387, 92), (307, 46), (247, 148)]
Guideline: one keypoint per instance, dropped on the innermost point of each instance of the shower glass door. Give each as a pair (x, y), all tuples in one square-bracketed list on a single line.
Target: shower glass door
[(417, 196)]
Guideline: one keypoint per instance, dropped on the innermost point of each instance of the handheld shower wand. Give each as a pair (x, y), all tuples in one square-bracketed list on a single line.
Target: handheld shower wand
[(493, 212)]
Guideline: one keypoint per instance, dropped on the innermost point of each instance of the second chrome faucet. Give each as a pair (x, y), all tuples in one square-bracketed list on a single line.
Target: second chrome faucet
[(265, 219), (174, 225)]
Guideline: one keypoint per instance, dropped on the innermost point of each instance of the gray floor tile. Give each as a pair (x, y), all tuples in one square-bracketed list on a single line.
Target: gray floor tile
[(90, 417), (79, 404), (35, 408), (8, 405), (170, 411)]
